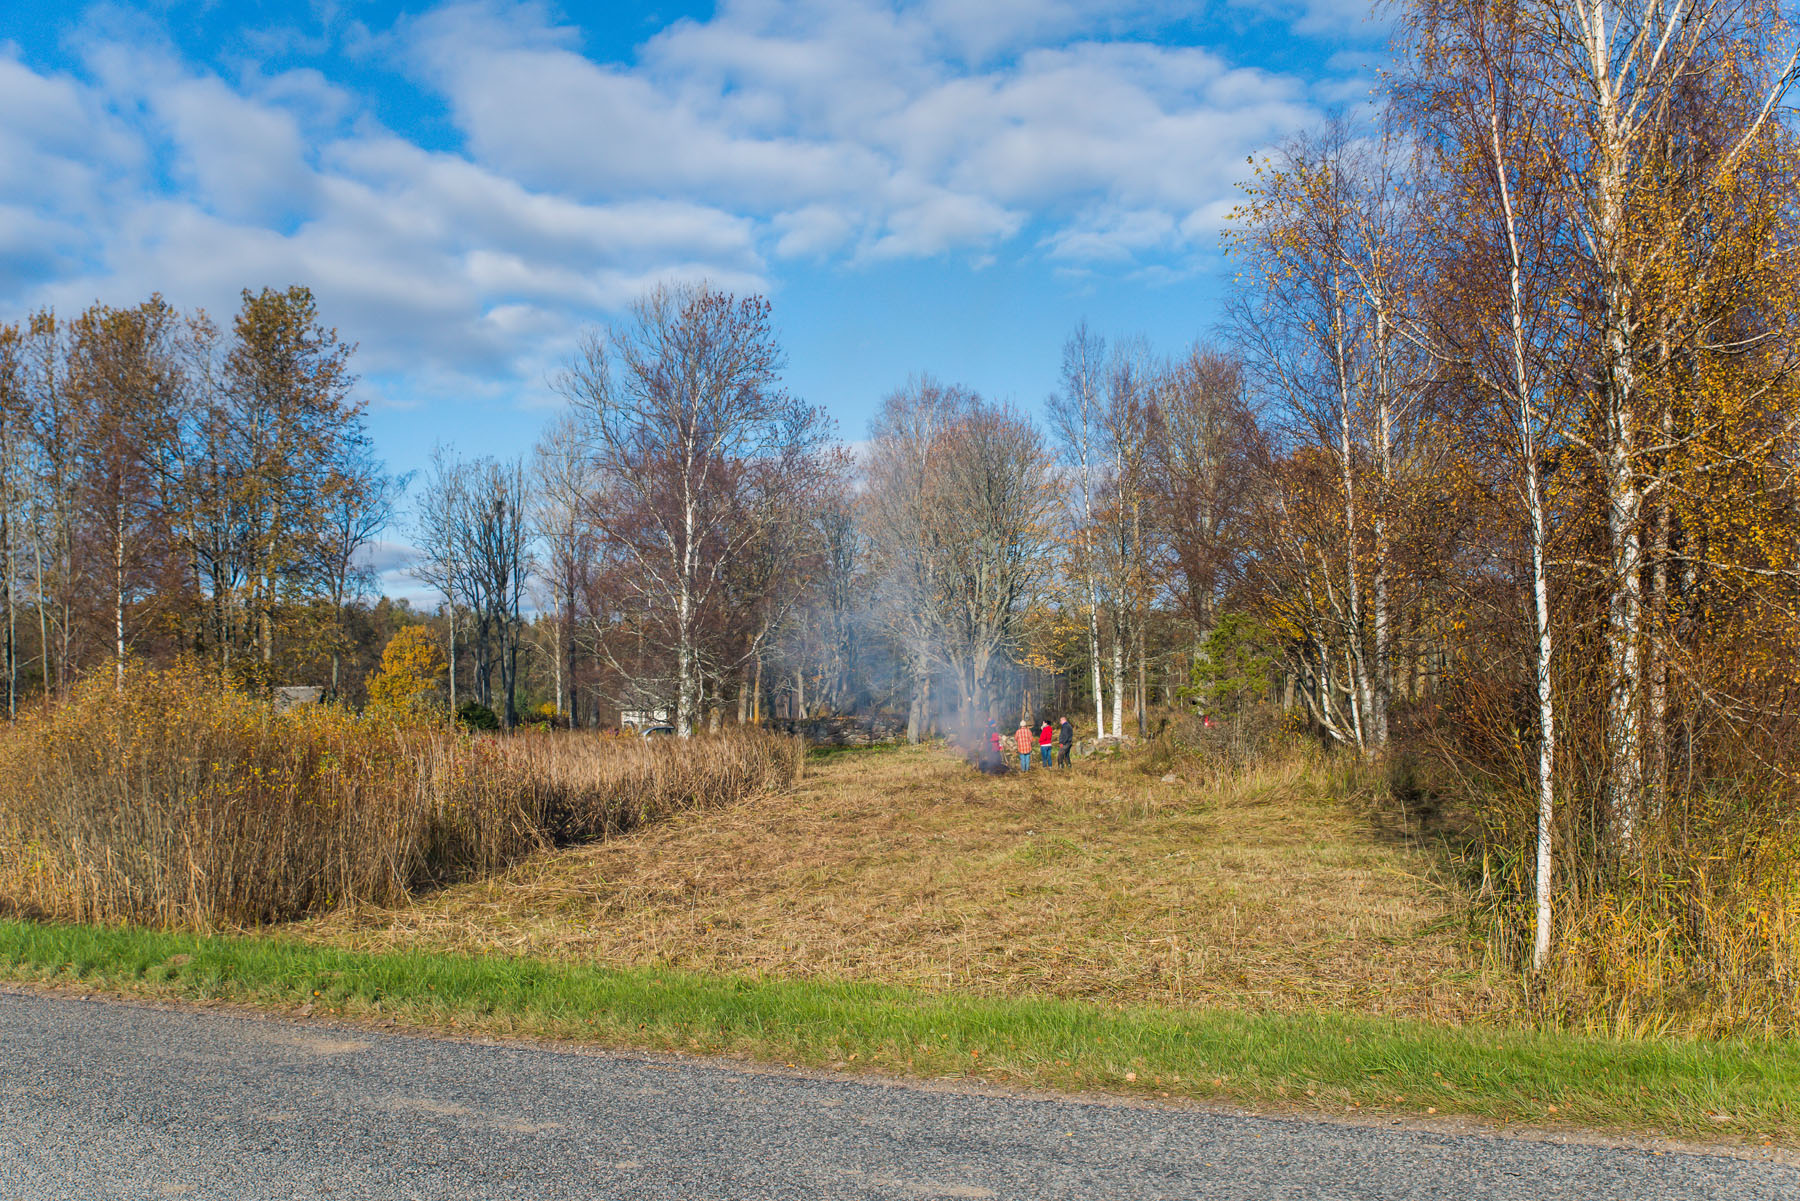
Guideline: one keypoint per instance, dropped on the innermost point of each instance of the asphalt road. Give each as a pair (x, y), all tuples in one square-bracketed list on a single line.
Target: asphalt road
[(105, 1100)]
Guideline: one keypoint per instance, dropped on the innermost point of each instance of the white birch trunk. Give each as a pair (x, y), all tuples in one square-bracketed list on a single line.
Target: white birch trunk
[(1527, 418), (1358, 667), (119, 597), (1546, 705), (1094, 659), (1624, 610), (1383, 685)]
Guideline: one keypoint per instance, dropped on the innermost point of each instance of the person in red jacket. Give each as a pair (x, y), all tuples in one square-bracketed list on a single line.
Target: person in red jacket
[(1046, 737)]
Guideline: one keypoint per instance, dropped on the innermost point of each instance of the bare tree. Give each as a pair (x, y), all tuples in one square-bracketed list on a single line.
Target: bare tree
[(695, 446), (440, 537), (960, 501), (496, 531), (900, 513), (13, 495), (1124, 560), (1075, 415), (564, 490)]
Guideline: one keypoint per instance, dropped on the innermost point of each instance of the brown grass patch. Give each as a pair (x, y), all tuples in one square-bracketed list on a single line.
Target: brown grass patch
[(1275, 889)]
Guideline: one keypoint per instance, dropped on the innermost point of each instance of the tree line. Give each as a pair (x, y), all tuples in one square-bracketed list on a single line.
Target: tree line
[(1525, 342), (689, 543), (170, 486)]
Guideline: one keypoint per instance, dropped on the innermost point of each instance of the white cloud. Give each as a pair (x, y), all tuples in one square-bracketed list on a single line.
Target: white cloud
[(248, 159), (1115, 237), (814, 230), (904, 122), (825, 130)]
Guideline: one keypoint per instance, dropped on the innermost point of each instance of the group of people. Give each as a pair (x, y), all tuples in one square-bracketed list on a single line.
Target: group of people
[(1060, 737)]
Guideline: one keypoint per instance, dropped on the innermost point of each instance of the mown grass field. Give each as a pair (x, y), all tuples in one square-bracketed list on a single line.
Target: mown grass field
[(1274, 889)]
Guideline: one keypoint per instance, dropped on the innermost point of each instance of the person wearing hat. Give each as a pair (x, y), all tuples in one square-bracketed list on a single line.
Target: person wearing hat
[(1023, 740)]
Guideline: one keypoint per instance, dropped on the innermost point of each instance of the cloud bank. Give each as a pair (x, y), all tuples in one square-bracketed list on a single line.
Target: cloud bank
[(557, 183)]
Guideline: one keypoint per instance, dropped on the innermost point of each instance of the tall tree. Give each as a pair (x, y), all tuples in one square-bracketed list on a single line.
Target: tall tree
[(563, 489), (1075, 415), (126, 382), (695, 445), (288, 385)]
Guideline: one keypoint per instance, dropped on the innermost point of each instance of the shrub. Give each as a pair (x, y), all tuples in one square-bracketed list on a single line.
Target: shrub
[(1232, 670), (176, 800), (411, 667), (473, 715)]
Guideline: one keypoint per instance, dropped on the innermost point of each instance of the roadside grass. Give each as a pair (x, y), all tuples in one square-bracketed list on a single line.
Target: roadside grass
[(1275, 888), (1317, 1062)]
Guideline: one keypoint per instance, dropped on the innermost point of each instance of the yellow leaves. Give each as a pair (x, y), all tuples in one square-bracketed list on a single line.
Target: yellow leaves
[(411, 666)]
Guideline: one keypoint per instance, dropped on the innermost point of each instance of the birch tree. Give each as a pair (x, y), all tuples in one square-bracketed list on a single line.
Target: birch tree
[(1481, 122), (694, 443), (1075, 416)]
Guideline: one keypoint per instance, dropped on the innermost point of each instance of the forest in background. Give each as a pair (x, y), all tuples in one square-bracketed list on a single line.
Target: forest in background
[(1488, 473)]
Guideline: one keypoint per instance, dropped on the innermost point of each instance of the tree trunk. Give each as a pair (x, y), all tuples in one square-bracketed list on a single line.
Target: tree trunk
[(556, 654), (452, 657), (1661, 550), (1546, 705), (509, 670), (756, 693), (1143, 717), (1362, 695), (119, 597), (12, 616), (1118, 672), (37, 554), (1381, 700), (1624, 611)]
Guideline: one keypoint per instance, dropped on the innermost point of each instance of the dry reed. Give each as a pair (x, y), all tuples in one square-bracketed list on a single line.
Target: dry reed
[(174, 801)]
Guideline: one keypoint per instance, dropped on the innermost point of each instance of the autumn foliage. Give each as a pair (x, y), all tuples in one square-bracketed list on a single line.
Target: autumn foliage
[(411, 669), (1531, 514)]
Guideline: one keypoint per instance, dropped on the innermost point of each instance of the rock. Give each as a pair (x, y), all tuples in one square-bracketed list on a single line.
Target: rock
[(1171, 778), (294, 696)]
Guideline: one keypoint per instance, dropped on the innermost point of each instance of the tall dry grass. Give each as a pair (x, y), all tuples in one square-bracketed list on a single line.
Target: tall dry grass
[(1695, 930), (176, 801), (581, 786)]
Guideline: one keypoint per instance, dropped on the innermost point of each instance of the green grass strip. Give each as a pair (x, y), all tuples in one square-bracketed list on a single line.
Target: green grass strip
[(1323, 1063)]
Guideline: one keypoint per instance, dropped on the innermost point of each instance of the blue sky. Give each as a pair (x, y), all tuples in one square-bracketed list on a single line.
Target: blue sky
[(943, 186)]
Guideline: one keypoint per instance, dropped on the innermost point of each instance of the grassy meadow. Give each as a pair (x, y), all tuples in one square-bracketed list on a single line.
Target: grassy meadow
[(1267, 928), (1277, 888)]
